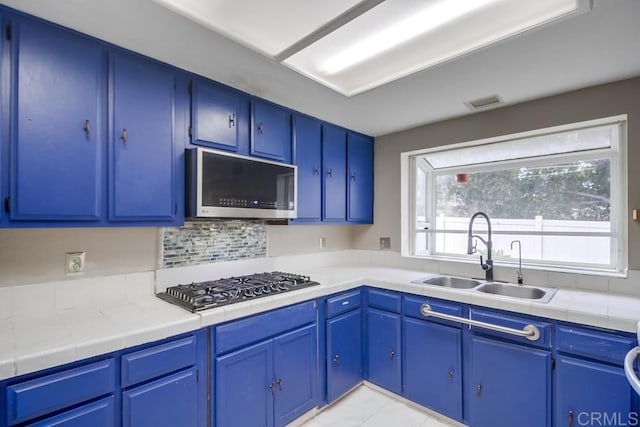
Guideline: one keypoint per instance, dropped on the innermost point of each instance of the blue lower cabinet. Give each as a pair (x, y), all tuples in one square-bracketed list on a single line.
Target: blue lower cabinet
[(511, 385), (169, 401), (344, 353), (433, 366), (587, 392), (295, 373), (245, 387), (270, 383), (383, 350), (96, 414)]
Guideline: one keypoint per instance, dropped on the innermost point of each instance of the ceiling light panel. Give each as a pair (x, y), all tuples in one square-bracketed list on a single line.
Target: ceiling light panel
[(267, 27), (401, 37)]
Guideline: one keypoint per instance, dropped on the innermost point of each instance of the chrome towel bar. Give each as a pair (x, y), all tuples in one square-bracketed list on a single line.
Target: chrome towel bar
[(530, 332)]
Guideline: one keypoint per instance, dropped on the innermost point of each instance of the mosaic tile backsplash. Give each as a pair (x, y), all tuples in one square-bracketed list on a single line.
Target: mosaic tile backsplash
[(202, 242)]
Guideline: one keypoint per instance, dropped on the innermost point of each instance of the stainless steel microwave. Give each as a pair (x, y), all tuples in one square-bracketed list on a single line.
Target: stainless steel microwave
[(226, 185)]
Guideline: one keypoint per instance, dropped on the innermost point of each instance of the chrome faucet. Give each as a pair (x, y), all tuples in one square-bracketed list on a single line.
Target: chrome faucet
[(471, 247), (519, 272)]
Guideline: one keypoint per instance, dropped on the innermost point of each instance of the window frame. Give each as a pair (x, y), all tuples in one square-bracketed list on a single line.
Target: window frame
[(617, 155)]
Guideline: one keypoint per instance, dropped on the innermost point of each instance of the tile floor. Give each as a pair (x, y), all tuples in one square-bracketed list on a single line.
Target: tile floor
[(369, 408)]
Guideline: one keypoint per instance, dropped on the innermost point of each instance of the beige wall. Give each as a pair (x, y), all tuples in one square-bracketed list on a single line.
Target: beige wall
[(297, 239), (595, 102), (38, 255)]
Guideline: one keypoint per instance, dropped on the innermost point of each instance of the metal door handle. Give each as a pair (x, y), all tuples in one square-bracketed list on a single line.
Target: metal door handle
[(353, 176), (316, 170), (478, 389), (260, 127), (87, 128), (530, 332), (330, 173), (123, 137), (392, 354), (570, 418), (232, 120), (279, 384), (271, 387), (450, 374), (336, 359)]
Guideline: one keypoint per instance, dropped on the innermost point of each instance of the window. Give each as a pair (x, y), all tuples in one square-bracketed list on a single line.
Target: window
[(560, 191)]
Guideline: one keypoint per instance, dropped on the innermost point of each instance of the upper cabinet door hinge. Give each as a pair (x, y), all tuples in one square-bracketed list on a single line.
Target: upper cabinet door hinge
[(190, 131), (7, 204), (7, 32)]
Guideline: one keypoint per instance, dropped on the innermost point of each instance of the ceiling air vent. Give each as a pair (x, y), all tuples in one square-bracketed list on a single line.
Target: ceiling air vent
[(484, 103)]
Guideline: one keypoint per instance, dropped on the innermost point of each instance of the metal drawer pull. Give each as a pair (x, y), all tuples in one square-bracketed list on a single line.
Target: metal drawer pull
[(478, 389), (392, 354), (450, 374), (87, 128), (272, 388), (336, 359), (570, 418), (530, 332), (123, 137), (279, 384)]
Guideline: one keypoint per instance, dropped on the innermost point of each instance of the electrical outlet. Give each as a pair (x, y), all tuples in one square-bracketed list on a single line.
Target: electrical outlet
[(74, 263), (385, 243), (323, 242)]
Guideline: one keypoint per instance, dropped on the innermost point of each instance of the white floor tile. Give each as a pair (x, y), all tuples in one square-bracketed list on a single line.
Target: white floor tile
[(369, 408)]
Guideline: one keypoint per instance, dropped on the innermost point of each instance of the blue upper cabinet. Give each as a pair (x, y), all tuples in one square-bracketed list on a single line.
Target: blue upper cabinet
[(219, 117), (56, 129), (360, 178), (334, 168), (270, 131), (307, 134), (142, 168)]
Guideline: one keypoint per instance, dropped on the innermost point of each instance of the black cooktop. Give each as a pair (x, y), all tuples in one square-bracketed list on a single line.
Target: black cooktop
[(204, 295)]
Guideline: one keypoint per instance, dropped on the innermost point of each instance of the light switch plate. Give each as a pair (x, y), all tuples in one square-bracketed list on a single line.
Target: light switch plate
[(74, 263)]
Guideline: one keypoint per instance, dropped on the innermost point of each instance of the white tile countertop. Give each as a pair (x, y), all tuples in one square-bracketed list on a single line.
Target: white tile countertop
[(62, 326)]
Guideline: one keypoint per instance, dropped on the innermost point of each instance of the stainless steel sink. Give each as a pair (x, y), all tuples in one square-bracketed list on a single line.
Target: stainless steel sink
[(449, 282), (518, 291)]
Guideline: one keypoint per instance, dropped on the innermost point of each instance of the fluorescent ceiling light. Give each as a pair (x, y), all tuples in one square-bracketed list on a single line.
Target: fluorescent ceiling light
[(267, 27), (352, 46), (397, 32)]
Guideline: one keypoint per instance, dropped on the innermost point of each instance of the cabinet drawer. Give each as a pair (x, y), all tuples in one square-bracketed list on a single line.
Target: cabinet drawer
[(96, 414), (343, 303), (158, 360), (384, 300), (596, 345), (262, 326), (412, 306), (50, 393), (511, 321)]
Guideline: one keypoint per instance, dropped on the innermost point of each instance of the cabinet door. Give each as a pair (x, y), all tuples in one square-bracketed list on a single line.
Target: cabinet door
[(56, 138), (583, 390), (216, 115), (433, 366), (245, 388), (383, 349), (169, 401), (295, 372), (307, 134), (360, 188), (271, 132), (344, 353), (334, 168), (511, 385), (96, 414), (142, 161)]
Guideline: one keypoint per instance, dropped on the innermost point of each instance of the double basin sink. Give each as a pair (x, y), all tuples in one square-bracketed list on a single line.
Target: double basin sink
[(537, 294)]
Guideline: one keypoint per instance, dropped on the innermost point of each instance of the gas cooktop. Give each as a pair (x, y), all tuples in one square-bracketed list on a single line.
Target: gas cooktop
[(205, 295)]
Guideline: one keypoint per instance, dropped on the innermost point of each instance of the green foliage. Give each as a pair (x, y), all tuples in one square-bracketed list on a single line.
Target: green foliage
[(573, 191)]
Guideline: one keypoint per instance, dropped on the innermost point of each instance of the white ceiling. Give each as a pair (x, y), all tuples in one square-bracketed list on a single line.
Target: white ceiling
[(596, 47)]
